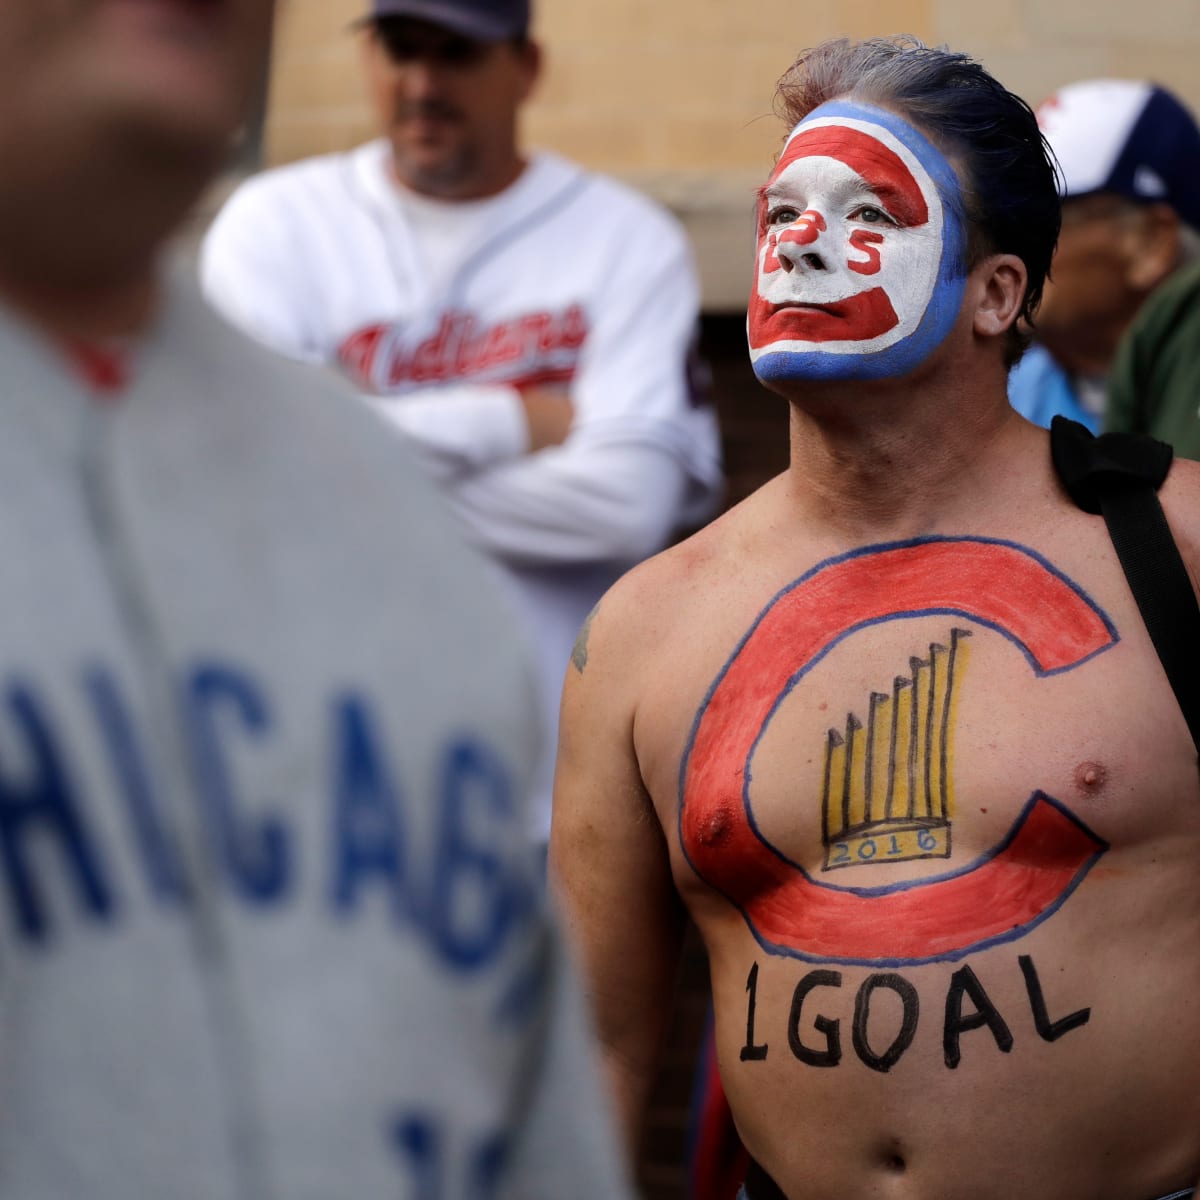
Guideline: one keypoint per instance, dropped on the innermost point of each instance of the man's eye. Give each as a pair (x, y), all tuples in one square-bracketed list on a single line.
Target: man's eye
[(462, 52), (398, 48), (871, 215), (404, 49), (783, 216)]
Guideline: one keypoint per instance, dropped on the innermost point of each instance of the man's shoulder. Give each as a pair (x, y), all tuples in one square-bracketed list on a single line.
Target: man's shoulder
[(319, 179), (268, 395), (1171, 312), (612, 202), (1183, 286), (674, 590), (1180, 496), (278, 428)]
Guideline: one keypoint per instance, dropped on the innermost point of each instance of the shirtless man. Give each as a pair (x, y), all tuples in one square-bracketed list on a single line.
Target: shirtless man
[(892, 731)]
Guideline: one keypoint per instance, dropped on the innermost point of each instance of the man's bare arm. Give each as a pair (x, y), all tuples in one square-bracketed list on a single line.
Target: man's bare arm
[(610, 867), (548, 415)]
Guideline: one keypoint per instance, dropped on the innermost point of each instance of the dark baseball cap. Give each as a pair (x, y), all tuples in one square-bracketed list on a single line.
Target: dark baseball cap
[(482, 20)]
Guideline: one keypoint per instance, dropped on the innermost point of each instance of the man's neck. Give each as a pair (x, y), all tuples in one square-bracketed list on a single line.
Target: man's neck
[(484, 185), (93, 314), (90, 271), (878, 462)]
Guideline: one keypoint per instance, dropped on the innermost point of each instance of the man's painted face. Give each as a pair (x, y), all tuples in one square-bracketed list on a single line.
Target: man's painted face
[(861, 260)]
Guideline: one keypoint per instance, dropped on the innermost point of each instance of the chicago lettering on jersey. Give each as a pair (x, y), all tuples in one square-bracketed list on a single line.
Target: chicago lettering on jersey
[(537, 347), (466, 900)]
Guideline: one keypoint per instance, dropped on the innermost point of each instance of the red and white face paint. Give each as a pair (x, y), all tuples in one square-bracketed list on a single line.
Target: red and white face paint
[(859, 269)]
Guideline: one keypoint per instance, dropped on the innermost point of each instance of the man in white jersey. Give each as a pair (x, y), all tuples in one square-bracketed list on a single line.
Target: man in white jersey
[(267, 921), (527, 322)]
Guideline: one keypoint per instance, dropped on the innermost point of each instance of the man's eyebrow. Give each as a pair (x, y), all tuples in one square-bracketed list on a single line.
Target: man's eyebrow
[(894, 200), (886, 194)]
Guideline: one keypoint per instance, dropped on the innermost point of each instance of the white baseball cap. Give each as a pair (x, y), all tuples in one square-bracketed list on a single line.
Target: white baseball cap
[(1126, 136)]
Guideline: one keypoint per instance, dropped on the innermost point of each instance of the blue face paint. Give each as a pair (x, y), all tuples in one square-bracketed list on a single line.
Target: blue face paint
[(862, 250)]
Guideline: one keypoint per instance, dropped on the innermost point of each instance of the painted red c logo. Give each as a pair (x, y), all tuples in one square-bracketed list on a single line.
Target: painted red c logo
[(995, 899)]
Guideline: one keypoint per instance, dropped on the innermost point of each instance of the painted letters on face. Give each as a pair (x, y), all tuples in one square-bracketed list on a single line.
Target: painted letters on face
[(861, 255)]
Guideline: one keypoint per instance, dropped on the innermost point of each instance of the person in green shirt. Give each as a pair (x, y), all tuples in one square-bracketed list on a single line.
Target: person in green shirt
[(1155, 382)]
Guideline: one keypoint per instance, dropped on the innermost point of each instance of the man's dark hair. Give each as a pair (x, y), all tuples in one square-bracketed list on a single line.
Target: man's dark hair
[(1006, 170)]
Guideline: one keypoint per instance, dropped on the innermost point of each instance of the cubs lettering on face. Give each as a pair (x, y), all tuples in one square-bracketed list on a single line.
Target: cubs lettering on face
[(861, 254)]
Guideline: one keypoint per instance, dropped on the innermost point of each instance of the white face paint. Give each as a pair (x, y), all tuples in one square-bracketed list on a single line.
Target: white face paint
[(858, 270)]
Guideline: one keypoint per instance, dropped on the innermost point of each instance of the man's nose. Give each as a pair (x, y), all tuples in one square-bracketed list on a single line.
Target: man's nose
[(799, 243), (421, 78)]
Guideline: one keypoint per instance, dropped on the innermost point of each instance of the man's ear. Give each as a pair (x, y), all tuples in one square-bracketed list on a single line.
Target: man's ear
[(533, 61), (1002, 279), (1153, 247)]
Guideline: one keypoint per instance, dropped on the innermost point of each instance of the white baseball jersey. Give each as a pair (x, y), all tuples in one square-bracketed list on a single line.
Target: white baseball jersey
[(268, 925), (565, 277)]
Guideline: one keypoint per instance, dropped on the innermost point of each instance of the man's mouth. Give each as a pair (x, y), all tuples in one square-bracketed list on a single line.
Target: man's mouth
[(857, 318), (834, 309), (432, 113)]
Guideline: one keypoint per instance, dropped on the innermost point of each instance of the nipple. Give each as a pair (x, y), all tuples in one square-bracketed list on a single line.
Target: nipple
[(716, 826), (1090, 776)]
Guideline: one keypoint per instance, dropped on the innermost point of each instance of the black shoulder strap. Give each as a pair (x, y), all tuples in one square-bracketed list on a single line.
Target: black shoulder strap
[(1118, 475)]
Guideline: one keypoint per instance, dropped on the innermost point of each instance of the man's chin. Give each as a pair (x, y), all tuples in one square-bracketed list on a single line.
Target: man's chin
[(793, 373), (432, 171), (179, 112), (176, 135)]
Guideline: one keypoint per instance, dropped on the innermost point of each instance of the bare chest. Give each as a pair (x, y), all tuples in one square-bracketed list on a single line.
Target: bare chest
[(921, 728)]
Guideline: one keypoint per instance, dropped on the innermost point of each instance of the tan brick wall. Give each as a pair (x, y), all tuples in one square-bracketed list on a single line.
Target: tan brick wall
[(1035, 47), (630, 85)]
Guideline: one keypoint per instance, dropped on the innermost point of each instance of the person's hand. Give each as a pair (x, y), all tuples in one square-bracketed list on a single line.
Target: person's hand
[(549, 413)]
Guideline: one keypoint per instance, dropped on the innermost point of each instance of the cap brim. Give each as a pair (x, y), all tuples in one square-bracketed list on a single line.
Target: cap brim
[(478, 26)]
